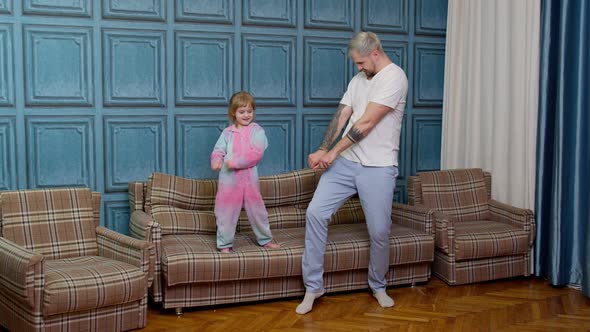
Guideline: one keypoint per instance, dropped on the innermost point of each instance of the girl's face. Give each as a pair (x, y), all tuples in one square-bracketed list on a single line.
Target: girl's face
[(244, 115)]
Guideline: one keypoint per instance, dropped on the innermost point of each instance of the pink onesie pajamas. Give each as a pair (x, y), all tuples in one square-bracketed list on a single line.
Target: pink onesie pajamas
[(243, 149)]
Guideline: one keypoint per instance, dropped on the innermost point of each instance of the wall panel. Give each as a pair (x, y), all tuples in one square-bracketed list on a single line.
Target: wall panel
[(7, 154), (100, 93)]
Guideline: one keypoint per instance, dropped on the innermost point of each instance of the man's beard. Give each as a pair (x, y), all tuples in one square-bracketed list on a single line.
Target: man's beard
[(369, 74)]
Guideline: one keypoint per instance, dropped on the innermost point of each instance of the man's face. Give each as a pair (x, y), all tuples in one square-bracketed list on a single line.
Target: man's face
[(364, 63)]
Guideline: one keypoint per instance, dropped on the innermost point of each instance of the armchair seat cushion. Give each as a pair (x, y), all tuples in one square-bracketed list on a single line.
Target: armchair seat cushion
[(194, 258), (89, 282), (486, 238)]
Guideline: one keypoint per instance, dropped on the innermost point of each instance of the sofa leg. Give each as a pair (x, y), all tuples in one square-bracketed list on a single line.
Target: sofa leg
[(178, 311), (413, 284)]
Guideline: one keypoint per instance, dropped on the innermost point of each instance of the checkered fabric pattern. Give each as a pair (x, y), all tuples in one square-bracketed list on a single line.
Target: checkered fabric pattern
[(126, 249), (459, 193), (83, 283), (293, 216), (188, 259), (142, 226), (53, 223), (288, 189), (174, 220), (42, 290), (224, 292), (478, 241), (178, 219), (415, 188), (136, 195)]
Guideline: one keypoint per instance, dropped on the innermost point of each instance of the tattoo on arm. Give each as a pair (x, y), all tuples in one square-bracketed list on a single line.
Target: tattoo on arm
[(332, 129), (355, 135)]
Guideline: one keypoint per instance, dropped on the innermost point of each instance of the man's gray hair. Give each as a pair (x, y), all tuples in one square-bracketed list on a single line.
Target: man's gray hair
[(365, 42)]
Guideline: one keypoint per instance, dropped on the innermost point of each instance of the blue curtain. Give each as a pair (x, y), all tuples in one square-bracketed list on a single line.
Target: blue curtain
[(562, 205)]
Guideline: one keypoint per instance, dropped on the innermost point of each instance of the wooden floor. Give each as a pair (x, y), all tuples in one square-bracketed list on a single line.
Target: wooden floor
[(524, 304)]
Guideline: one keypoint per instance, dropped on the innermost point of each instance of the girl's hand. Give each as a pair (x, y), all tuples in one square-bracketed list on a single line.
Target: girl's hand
[(228, 164), (216, 165)]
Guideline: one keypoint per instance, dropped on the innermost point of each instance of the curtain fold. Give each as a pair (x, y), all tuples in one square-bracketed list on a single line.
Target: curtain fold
[(491, 93), (563, 146)]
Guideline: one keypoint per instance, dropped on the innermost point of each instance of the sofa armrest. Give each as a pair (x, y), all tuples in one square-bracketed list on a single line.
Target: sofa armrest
[(126, 249), (20, 270), (508, 214), (413, 216)]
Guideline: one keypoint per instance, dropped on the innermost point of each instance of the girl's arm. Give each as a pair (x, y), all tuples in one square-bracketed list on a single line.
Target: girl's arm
[(219, 152), (254, 154)]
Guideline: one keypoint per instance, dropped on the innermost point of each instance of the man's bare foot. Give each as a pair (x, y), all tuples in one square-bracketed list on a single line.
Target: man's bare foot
[(271, 245), (225, 250)]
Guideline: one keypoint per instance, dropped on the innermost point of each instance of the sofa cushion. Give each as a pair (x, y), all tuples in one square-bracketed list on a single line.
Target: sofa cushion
[(280, 217), (460, 193), (194, 258), (84, 283), (174, 220), (291, 188), (188, 194), (166, 194), (486, 238), (55, 223)]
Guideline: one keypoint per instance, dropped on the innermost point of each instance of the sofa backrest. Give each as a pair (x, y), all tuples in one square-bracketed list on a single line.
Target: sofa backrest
[(183, 205), (56, 223), (460, 193), (291, 188), (172, 200)]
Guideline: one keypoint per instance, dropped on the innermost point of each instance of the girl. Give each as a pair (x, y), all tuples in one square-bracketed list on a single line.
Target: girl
[(237, 152)]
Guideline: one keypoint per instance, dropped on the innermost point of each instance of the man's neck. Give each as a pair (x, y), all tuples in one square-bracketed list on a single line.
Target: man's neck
[(381, 63)]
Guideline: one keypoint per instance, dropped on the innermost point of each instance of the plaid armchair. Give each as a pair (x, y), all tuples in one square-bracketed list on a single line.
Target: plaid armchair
[(476, 237), (61, 271)]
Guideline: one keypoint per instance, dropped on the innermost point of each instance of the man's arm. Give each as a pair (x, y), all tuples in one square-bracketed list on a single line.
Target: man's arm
[(339, 119), (372, 116)]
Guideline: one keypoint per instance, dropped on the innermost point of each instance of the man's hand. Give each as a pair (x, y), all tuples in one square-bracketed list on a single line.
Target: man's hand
[(314, 158), (216, 165), (327, 160)]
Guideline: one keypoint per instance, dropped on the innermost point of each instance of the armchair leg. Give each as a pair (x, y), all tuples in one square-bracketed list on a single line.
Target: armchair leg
[(178, 311)]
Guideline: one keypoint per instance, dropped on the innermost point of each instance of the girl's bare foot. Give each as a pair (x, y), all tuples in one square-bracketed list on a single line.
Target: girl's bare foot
[(271, 245), (225, 250)]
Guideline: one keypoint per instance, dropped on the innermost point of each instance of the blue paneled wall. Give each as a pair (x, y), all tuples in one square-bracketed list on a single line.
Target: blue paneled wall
[(100, 93)]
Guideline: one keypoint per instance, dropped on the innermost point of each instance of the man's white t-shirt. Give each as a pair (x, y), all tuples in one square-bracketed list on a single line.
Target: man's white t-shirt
[(388, 87)]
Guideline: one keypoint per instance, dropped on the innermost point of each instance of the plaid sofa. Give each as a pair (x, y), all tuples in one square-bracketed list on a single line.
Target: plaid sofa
[(176, 214), (61, 271), (477, 238)]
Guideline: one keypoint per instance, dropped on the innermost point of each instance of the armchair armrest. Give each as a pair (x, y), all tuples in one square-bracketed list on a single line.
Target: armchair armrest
[(21, 270), (508, 214), (413, 216), (143, 227), (126, 249), (136, 195), (444, 231)]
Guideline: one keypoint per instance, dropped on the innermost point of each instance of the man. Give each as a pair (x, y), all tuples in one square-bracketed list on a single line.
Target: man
[(364, 161)]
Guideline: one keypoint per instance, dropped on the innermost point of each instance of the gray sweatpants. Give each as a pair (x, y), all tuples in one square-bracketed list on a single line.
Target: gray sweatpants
[(375, 186)]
